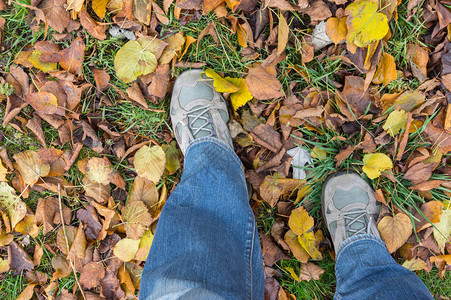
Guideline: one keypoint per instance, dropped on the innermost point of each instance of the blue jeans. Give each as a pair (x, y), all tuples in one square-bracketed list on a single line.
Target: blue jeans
[(206, 245)]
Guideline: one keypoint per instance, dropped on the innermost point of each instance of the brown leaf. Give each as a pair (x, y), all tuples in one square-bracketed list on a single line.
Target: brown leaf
[(419, 173), (426, 186), (395, 230), (101, 78), (271, 253), (88, 23), (280, 4), (47, 213), (61, 266), (27, 293), (136, 95), (263, 84), (91, 274), (45, 103), (144, 190), (56, 15), (99, 192), (318, 11), (89, 218), (438, 137), (358, 99), (29, 166), (18, 258), (265, 135), (344, 154), (310, 271), (160, 81), (277, 231), (283, 32), (72, 57), (35, 125), (136, 218)]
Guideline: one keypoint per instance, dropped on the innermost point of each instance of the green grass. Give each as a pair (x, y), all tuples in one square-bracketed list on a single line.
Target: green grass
[(436, 285), (12, 285)]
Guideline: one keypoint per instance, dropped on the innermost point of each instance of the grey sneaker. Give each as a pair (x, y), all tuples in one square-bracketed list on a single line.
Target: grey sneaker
[(349, 206), (197, 110)]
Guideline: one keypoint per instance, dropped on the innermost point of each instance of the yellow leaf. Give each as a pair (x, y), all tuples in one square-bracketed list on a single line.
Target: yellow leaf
[(35, 59), (99, 170), (409, 101), (336, 29), (293, 273), (3, 171), (241, 35), (283, 32), (174, 48), (150, 162), (4, 265), (221, 85), (318, 153), (395, 122), (442, 230), (137, 219), (5, 239), (28, 226), (415, 264), (300, 222), (395, 231), (386, 70), (173, 157), (11, 204), (27, 293), (144, 246), (242, 96), (189, 41), (365, 24), (308, 242), (126, 249), (292, 241), (132, 60), (232, 3), (99, 7), (374, 163)]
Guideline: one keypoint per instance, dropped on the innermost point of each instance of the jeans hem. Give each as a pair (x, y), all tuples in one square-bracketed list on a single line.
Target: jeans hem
[(217, 142), (357, 238)]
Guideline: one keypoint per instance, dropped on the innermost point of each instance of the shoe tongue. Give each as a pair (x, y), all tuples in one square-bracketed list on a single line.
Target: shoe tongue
[(357, 225), (355, 195), (201, 122)]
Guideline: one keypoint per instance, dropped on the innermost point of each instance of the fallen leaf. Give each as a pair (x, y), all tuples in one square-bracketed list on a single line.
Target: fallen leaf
[(173, 157), (11, 205), (419, 173), (150, 162), (101, 79), (263, 83), (386, 70), (133, 60), (99, 170), (442, 230), (56, 15), (126, 249), (293, 274), (265, 135), (375, 163), (300, 222), (137, 219), (309, 243), (95, 29), (336, 29), (310, 271), (283, 32), (365, 24), (419, 56), (18, 259), (144, 190), (241, 36), (409, 100), (99, 7), (299, 253), (175, 44), (126, 282), (91, 274), (35, 59), (271, 253), (61, 266), (28, 226), (3, 171), (242, 96), (72, 57), (395, 122), (27, 293), (45, 103), (160, 81), (415, 264), (395, 231), (221, 85), (144, 246)]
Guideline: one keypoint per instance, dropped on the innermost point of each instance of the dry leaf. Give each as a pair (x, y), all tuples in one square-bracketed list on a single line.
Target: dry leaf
[(126, 249), (395, 230), (336, 29), (310, 271), (299, 253), (283, 32), (386, 70), (375, 163), (72, 57), (395, 122), (263, 83), (137, 219), (150, 162), (442, 230), (11, 205), (91, 274), (144, 246)]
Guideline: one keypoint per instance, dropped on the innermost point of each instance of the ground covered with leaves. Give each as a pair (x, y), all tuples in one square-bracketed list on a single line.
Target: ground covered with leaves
[(88, 157)]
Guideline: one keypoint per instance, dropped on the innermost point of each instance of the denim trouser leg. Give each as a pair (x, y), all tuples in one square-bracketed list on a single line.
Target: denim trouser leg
[(365, 270), (206, 245)]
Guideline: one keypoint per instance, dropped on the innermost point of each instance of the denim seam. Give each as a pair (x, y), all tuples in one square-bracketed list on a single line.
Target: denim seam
[(251, 257), (354, 239), (217, 142)]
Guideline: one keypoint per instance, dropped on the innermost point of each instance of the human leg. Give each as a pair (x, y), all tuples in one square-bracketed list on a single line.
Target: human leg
[(206, 245), (364, 268)]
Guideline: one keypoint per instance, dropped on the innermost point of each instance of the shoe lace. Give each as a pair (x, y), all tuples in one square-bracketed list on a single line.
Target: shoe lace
[(200, 113), (356, 216)]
